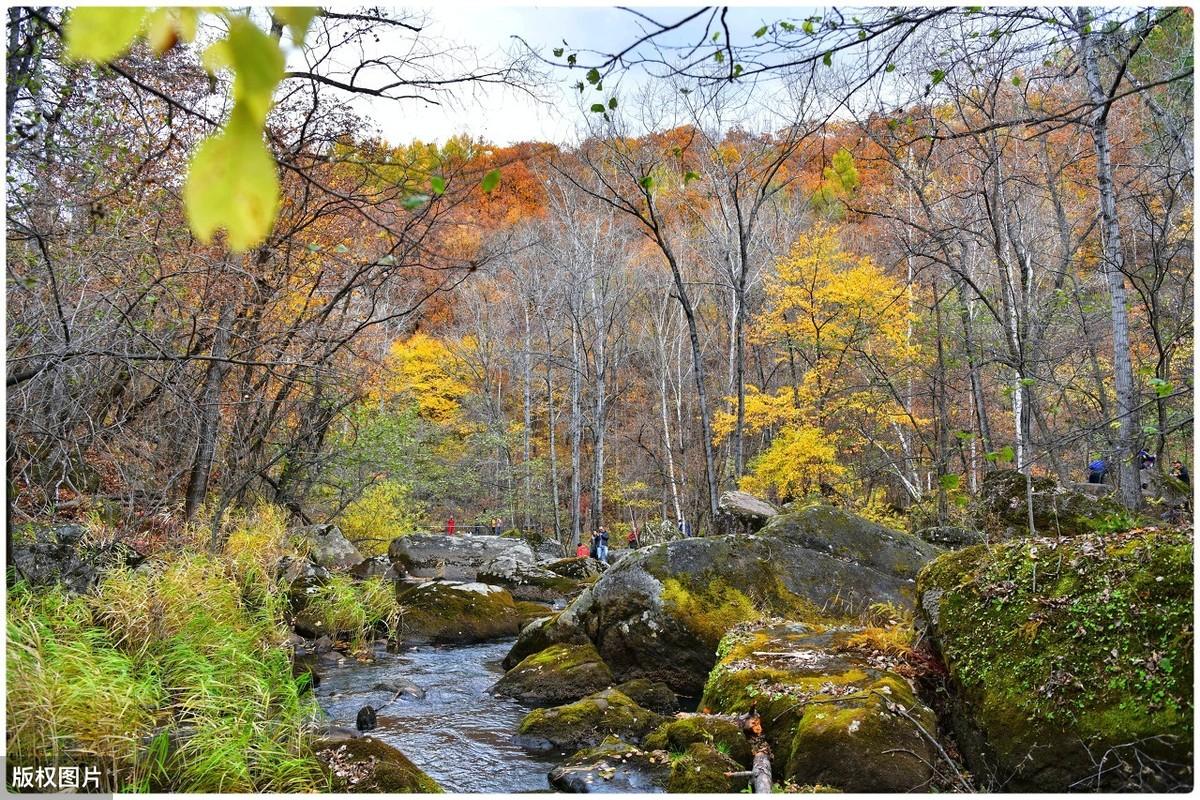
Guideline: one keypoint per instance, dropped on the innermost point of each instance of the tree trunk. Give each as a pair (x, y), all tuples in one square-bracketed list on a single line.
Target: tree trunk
[(210, 415), (576, 441), (1130, 483)]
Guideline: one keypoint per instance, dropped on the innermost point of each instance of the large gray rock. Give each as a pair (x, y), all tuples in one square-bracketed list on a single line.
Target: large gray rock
[(661, 611), (431, 555), (66, 554), (444, 612), (328, 547), (527, 582), (744, 512), (1002, 509)]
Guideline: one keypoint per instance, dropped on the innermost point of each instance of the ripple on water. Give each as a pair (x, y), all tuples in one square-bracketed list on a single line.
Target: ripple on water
[(458, 733)]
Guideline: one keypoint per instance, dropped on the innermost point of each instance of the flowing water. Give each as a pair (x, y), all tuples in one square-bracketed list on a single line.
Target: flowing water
[(458, 733)]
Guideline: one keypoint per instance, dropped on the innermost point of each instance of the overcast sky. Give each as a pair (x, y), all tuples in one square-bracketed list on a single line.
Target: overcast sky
[(503, 116)]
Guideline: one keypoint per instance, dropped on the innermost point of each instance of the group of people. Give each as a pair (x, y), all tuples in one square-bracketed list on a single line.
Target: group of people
[(598, 548), (495, 526), (1098, 468)]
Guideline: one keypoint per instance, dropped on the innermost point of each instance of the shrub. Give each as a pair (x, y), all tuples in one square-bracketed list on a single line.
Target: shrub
[(385, 510)]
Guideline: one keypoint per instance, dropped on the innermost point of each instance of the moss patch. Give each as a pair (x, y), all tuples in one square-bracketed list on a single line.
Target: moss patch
[(559, 674), (701, 770), (817, 697), (654, 695), (447, 613), (587, 722), (680, 734), (1052, 643)]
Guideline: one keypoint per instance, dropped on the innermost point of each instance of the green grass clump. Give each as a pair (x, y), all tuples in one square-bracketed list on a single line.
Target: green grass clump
[(357, 609), (172, 674)]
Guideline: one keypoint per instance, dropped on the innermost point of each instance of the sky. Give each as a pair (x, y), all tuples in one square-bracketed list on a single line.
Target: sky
[(505, 116)]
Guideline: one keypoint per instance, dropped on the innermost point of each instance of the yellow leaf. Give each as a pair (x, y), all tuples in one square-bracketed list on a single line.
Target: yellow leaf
[(232, 184), (296, 18), (257, 64), (100, 34)]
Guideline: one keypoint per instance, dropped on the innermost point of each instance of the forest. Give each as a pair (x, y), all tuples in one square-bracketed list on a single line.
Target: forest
[(909, 290)]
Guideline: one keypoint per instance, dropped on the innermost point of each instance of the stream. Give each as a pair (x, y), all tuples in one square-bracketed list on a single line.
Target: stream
[(458, 733)]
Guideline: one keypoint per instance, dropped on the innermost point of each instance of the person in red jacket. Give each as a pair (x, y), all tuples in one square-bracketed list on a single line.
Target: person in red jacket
[(581, 551), (450, 526)]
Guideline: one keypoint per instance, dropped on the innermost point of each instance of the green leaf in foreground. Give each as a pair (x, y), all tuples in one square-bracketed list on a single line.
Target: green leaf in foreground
[(101, 34), (438, 184), (232, 184), (490, 181)]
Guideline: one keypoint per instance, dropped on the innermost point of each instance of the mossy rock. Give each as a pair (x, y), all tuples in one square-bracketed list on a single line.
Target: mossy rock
[(531, 610), (540, 634), (701, 770), (680, 734), (528, 582), (456, 613), (827, 710), (613, 766), (1002, 510), (369, 765), (1097, 660), (586, 722), (661, 611), (849, 537), (561, 673), (649, 694), (578, 568)]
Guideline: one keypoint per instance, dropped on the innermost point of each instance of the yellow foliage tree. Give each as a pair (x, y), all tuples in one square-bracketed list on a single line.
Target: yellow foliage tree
[(797, 462), (424, 368)]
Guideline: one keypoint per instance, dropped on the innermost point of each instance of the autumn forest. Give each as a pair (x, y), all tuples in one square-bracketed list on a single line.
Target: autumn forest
[(863, 259)]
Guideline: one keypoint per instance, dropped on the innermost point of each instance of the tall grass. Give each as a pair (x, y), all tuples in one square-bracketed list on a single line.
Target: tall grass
[(357, 609), (172, 674)]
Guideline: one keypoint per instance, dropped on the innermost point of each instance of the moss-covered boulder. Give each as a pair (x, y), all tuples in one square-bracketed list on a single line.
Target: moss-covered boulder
[(581, 569), (1002, 510), (833, 715), (369, 765), (559, 674), (701, 769), (433, 555), (1071, 660), (526, 581), (678, 735), (586, 723), (540, 634), (531, 610), (613, 767), (854, 539), (455, 613), (950, 536), (661, 611), (653, 695)]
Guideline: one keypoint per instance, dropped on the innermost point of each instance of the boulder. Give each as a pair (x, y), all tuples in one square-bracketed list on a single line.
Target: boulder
[(68, 555), (439, 612), (559, 674), (950, 536), (374, 567), (702, 769), (744, 513), (545, 548), (327, 546), (678, 735), (578, 568), (1079, 678), (586, 723), (660, 613), (834, 716), (303, 579), (527, 582), (366, 764), (613, 767), (1164, 491), (432, 555), (653, 695), (853, 539), (1001, 507)]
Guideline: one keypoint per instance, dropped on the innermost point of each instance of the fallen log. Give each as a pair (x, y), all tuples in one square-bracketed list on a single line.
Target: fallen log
[(761, 772)]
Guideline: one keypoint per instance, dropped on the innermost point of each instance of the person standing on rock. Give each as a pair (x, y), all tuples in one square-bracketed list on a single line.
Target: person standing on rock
[(631, 538), (496, 526), (602, 544), (581, 551), (450, 526)]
